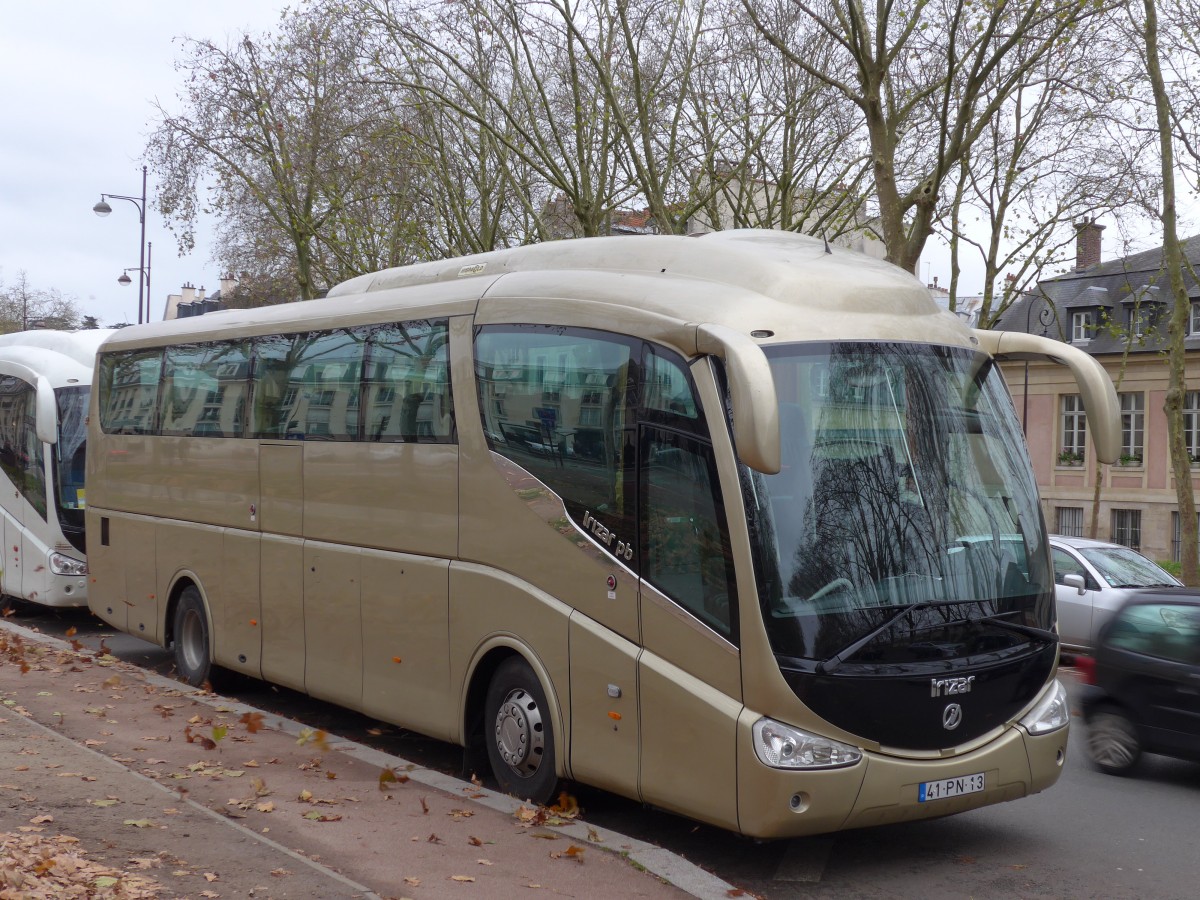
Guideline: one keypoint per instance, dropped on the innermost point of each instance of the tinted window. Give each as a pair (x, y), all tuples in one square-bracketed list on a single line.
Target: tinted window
[(407, 383), (557, 402), (1163, 630), (204, 389), (277, 395), (129, 391), (686, 554), (20, 450), (324, 384)]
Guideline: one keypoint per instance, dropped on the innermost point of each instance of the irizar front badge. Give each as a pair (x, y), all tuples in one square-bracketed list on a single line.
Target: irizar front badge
[(944, 687)]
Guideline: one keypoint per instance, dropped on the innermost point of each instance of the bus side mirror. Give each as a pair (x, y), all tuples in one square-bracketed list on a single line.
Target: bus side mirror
[(1095, 386), (1075, 581), (46, 413), (752, 392)]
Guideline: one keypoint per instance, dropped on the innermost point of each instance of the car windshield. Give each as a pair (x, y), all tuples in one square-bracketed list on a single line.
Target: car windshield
[(904, 483), (69, 452), (1125, 568)]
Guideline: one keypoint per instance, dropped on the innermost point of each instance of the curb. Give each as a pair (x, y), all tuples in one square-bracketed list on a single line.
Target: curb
[(663, 864)]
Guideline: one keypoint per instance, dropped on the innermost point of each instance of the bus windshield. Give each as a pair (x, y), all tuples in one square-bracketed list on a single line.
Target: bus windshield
[(69, 461), (905, 486)]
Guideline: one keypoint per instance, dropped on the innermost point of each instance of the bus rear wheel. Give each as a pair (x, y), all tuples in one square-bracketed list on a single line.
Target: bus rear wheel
[(193, 659), (520, 737)]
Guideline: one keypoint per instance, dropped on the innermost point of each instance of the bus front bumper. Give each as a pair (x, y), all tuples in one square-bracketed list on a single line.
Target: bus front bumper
[(884, 789)]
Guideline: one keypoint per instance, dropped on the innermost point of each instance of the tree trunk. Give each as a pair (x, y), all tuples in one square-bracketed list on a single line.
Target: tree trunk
[(1181, 463)]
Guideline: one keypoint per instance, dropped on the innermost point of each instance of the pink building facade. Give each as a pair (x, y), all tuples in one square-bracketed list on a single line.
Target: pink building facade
[(1118, 312)]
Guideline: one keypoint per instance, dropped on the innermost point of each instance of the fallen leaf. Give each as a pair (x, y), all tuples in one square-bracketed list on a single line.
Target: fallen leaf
[(317, 816), (466, 878), (139, 823)]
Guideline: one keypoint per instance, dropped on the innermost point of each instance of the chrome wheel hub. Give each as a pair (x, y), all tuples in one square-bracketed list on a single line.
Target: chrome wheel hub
[(519, 733)]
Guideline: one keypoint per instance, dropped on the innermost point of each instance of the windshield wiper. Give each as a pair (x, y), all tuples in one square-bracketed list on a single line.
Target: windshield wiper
[(1028, 630), (825, 666)]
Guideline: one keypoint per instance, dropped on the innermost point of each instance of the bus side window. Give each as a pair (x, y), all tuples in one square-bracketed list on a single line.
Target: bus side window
[(20, 450), (407, 382), (274, 397), (129, 383), (558, 403), (687, 552)]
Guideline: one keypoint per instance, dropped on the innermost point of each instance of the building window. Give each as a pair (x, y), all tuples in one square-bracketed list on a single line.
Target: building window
[(1068, 521), (1194, 319), (1081, 326), (1133, 425), (1127, 527), (1074, 430), (1177, 539), (1191, 424), (1141, 320)]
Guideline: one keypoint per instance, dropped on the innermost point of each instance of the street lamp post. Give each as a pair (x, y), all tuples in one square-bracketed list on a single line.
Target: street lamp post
[(143, 269), (1044, 316)]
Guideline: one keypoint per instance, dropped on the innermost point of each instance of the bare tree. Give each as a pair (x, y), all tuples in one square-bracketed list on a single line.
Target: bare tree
[(266, 123), (518, 72), (783, 148), (1052, 155), (927, 76), (22, 306), (1171, 111)]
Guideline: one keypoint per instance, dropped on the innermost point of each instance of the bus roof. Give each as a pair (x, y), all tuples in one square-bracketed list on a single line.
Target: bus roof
[(62, 357), (782, 285)]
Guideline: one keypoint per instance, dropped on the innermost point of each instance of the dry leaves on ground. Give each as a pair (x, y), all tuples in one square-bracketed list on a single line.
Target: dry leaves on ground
[(38, 867)]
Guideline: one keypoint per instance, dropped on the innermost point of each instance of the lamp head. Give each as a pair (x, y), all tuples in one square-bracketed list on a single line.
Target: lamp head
[(102, 208), (124, 280)]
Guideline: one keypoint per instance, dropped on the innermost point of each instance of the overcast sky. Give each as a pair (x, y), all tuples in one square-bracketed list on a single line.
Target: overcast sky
[(77, 83)]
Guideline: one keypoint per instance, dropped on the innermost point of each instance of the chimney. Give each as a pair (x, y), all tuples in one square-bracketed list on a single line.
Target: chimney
[(188, 294), (1087, 244)]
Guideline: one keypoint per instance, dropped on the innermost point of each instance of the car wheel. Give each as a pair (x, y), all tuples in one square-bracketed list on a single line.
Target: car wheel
[(1113, 742), (520, 738)]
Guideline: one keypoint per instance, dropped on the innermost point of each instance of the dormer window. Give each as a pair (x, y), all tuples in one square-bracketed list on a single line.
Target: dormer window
[(1141, 319), (1194, 319), (1082, 326)]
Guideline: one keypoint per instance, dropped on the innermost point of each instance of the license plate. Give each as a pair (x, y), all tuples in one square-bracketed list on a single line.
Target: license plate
[(949, 787)]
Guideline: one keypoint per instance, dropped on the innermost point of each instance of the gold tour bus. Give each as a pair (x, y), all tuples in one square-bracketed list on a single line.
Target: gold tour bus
[(740, 526)]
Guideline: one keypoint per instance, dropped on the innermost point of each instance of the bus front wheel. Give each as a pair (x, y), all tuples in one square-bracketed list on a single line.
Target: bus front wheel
[(520, 737), (192, 656)]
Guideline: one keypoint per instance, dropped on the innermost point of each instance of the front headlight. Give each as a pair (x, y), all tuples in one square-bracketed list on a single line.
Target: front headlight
[(784, 747), (65, 565), (1051, 713)]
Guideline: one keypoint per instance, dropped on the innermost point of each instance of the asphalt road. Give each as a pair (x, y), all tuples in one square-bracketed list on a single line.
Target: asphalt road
[(1091, 835)]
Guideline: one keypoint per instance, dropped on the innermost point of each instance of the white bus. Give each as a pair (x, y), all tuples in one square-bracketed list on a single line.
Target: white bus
[(741, 526), (45, 381)]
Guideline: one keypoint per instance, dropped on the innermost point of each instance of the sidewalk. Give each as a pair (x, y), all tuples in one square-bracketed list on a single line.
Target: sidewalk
[(115, 782)]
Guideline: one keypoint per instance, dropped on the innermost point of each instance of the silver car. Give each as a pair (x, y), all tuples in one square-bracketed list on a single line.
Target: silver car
[(1092, 579)]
